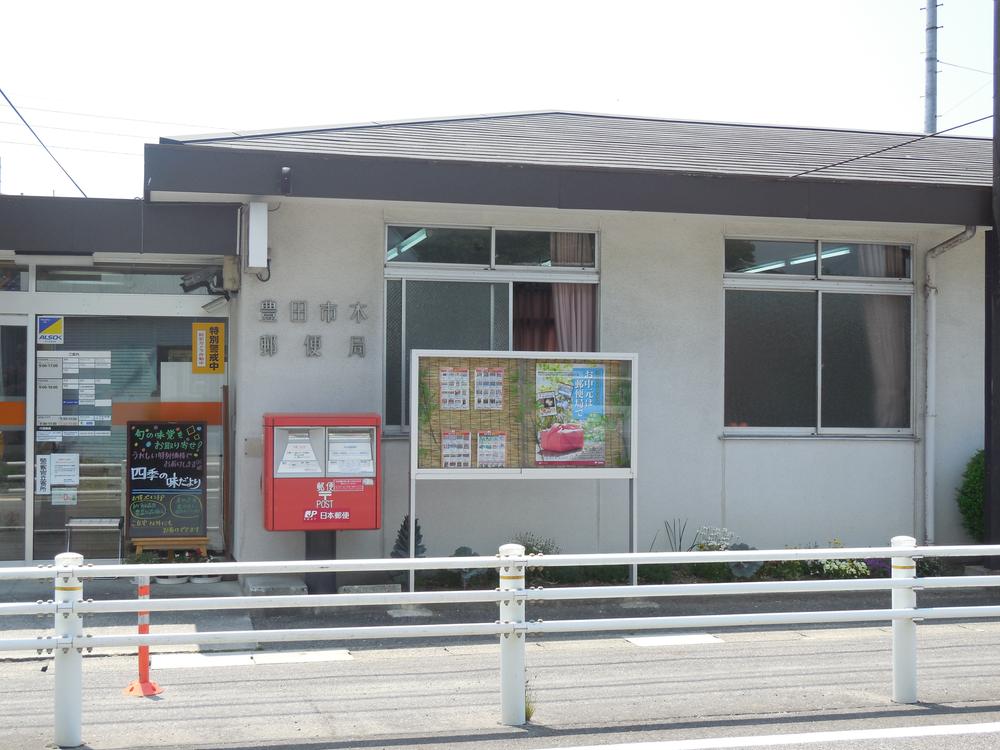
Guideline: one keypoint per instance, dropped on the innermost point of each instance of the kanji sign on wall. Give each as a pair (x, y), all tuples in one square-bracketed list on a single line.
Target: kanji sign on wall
[(208, 348)]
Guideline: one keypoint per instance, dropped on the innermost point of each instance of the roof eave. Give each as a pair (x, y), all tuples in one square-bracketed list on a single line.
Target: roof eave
[(176, 168), (80, 226)]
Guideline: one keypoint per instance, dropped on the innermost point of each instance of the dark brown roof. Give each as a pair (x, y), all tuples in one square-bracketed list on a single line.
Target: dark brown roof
[(577, 140)]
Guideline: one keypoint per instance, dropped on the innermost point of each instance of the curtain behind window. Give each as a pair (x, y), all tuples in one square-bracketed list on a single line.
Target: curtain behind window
[(573, 304), (887, 328), (534, 324)]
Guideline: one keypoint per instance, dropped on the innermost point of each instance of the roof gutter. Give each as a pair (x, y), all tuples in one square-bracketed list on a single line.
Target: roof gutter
[(930, 369)]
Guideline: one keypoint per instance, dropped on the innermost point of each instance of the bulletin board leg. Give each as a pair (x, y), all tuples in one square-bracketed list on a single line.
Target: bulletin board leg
[(413, 528), (633, 531)]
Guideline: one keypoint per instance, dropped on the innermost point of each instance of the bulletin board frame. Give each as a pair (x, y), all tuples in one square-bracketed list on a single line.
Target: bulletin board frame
[(624, 468)]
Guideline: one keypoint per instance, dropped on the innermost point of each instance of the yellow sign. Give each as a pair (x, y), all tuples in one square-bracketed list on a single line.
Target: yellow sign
[(208, 348)]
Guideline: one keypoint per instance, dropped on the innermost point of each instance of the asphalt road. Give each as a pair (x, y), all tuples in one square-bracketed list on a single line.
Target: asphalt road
[(772, 688)]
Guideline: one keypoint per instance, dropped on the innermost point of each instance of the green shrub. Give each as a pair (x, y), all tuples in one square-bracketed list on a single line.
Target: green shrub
[(579, 574), (657, 573), (712, 572), (931, 566), (837, 568), (782, 570), (402, 546), (145, 557), (536, 545), (970, 496), (713, 538), (842, 568)]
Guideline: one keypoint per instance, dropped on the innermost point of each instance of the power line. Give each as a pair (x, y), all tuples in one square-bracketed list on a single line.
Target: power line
[(40, 141), (966, 67), (125, 119), (890, 148), (82, 130), (75, 148), (963, 101)]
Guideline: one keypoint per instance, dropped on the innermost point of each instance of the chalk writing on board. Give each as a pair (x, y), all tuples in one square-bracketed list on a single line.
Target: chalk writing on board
[(166, 479)]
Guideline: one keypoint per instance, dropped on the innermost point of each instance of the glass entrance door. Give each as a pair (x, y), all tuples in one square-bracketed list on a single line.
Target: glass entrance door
[(13, 387)]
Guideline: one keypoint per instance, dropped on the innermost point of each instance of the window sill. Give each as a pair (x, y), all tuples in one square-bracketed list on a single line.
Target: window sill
[(881, 437)]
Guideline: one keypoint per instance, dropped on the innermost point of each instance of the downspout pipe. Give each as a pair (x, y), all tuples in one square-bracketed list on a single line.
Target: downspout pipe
[(930, 370)]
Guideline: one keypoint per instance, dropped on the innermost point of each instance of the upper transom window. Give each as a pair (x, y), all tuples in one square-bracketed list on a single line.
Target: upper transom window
[(790, 257), (487, 248)]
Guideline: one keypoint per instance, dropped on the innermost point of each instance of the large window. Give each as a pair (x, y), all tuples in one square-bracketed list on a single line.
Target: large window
[(484, 289), (818, 337)]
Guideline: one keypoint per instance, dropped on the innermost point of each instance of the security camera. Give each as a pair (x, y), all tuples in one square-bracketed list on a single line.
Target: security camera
[(203, 277)]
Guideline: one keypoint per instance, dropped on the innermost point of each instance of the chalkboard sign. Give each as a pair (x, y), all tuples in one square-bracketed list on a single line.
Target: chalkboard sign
[(166, 479)]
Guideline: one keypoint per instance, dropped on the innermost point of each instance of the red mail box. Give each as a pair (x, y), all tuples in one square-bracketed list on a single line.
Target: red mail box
[(322, 472)]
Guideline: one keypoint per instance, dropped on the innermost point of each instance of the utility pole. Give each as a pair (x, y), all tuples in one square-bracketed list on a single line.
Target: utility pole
[(930, 75)]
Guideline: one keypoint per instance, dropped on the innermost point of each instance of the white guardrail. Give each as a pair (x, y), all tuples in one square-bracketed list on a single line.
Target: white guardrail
[(68, 606)]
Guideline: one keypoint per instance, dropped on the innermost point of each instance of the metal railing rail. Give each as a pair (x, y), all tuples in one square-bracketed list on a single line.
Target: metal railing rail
[(68, 606)]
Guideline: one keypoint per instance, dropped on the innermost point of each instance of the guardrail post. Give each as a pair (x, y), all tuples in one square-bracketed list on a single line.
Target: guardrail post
[(904, 631), (512, 684), (68, 665)]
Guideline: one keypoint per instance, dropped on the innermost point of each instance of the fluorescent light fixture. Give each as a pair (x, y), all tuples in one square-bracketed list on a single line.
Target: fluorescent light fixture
[(799, 260), (398, 249), (834, 253), (766, 267)]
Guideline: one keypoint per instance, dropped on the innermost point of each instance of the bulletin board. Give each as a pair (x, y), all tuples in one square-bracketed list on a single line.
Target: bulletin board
[(523, 413)]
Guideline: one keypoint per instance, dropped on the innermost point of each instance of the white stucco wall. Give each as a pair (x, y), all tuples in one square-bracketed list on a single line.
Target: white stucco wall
[(661, 296), (961, 335)]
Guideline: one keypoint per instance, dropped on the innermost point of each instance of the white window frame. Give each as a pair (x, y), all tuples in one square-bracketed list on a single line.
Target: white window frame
[(820, 284), (405, 271)]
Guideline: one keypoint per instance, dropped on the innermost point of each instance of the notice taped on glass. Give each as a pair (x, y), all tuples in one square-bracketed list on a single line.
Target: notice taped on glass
[(166, 475)]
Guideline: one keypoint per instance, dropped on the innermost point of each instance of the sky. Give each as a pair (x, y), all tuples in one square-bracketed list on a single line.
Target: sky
[(98, 79)]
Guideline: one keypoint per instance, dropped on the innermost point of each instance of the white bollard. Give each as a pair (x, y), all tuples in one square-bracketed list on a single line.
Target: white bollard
[(68, 666), (904, 632), (512, 684)]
